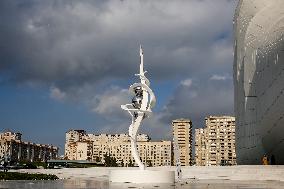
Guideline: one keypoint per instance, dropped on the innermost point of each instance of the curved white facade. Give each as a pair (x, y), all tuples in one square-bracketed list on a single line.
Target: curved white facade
[(259, 80)]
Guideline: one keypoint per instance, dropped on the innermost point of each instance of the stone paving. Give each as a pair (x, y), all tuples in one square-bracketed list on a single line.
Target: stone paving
[(244, 172), (193, 177)]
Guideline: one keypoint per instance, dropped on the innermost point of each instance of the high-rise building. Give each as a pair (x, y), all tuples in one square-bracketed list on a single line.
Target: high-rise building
[(182, 133), (13, 148), (215, 144), (200, 146), (82, 146), (259, 81)]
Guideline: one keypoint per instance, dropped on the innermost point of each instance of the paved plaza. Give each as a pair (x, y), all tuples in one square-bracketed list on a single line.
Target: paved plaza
[(241, 172), (192, 177), (84, 183)]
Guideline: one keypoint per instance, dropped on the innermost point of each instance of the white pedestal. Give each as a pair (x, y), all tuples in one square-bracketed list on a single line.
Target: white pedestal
[(142, 176)]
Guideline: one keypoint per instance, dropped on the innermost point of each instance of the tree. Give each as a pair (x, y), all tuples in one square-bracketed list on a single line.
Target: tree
[(110, 161), (107, 160), (130, 164), (149, 163), (113, 162)]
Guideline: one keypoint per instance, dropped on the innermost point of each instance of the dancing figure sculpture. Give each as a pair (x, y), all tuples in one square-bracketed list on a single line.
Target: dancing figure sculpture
[(140, 108), (142, 103)]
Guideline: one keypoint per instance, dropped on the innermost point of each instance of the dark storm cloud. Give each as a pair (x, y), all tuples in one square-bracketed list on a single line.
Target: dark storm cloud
[(201, 99), (76, 47), (69, 42)]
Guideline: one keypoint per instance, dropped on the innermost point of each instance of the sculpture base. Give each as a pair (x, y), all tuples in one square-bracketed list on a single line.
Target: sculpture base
[(142, 176)]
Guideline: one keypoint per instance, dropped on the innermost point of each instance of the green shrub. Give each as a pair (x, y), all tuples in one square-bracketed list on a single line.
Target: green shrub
[(26, 176)]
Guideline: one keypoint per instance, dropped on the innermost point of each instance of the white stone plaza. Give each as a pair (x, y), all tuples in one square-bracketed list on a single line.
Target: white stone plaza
[(246, 176), (238, 172)]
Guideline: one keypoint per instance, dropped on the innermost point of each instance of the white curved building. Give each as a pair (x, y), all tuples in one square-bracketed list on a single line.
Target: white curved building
[(259, 80)]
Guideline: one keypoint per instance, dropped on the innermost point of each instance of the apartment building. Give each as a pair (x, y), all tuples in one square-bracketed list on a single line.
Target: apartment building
[(82, 146), (215, 144), (182, 133), (12, 147), (200, 147)]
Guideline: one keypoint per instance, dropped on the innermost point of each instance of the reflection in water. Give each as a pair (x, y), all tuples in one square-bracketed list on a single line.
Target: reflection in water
[(64, 184), (85, 184), (144, 186), (104, 184)]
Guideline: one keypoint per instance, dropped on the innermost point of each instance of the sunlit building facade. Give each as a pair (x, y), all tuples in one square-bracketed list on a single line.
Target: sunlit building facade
[(14, 149), (215, 144), (182, 134), (82, 146)]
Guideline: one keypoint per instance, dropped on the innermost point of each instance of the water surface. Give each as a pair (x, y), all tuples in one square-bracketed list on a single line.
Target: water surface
[(104, 184)]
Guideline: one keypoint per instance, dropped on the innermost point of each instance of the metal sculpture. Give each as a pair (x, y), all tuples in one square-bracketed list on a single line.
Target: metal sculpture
[(140, 108), (142, 103)]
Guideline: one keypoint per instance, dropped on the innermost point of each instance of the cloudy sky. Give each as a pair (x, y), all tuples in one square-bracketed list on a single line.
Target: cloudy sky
[(67, 64)]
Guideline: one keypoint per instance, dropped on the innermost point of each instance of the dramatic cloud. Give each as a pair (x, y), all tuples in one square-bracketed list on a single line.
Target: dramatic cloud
[(57, 94), (74, 42), (202, 99), (87, 51), (108, 104), (220, 77), (187, 82)]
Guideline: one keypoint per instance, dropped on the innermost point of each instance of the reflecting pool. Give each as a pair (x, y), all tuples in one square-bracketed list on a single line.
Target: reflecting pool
[(104, 184)]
